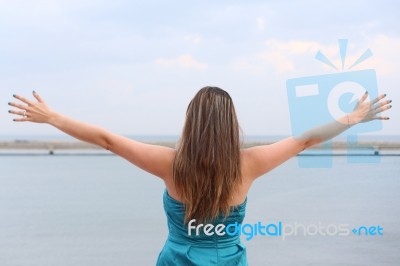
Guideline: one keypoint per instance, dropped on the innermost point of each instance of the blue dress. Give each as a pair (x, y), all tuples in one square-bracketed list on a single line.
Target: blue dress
[(203, 250)]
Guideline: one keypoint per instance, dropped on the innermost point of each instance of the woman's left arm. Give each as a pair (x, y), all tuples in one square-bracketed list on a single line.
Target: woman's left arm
[(154, 159)]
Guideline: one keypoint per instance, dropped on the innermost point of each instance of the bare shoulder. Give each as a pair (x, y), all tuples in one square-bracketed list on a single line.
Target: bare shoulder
[(155, 159), (258, 160)]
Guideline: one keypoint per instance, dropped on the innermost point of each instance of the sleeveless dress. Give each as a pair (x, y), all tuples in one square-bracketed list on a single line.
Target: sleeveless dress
[(202, 250)]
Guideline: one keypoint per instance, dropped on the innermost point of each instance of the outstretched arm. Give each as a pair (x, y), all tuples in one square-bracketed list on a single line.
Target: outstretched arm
[(261, 159), (152, 158)]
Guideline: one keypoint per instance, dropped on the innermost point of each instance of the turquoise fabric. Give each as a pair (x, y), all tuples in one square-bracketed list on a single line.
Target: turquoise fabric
[(202, 250)]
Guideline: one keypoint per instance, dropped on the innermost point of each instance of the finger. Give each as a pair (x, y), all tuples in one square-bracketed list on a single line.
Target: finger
[(381, 118), (382, 104), (20, 106), (377, 99), (23, 113), (37, 96), (382, 109), (23, 99), (22, 119), (364, 97)]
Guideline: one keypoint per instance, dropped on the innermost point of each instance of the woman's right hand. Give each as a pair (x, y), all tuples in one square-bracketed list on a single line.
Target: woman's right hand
[(366, 111), (31, 111)]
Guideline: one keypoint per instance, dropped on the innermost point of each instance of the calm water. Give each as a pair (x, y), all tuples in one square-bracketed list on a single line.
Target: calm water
[(100, 210)]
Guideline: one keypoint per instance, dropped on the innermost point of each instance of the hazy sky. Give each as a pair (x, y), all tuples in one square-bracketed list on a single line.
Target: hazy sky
[(132, 67)]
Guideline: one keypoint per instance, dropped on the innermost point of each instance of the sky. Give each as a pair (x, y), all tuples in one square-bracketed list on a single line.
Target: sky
[(133, 66)]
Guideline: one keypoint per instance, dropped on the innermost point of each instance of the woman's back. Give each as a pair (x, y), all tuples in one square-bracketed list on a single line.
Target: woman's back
[(193, 244)]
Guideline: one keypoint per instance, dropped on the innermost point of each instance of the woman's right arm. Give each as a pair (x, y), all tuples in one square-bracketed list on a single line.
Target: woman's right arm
[(154, 159), (262, 159)]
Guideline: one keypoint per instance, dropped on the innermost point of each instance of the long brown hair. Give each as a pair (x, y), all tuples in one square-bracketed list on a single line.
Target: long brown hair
[(206, 168)]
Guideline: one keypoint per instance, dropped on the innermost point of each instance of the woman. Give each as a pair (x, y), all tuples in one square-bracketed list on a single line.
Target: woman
[(208, 176)]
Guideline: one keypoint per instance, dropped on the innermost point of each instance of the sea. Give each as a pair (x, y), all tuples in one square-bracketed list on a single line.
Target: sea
[(98, 209)]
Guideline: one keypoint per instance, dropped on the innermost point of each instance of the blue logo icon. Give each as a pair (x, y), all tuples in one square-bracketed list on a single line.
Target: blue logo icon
[(317, 100)]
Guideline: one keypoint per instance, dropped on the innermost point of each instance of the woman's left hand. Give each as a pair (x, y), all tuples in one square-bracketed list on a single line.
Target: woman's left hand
[(37, 112)]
